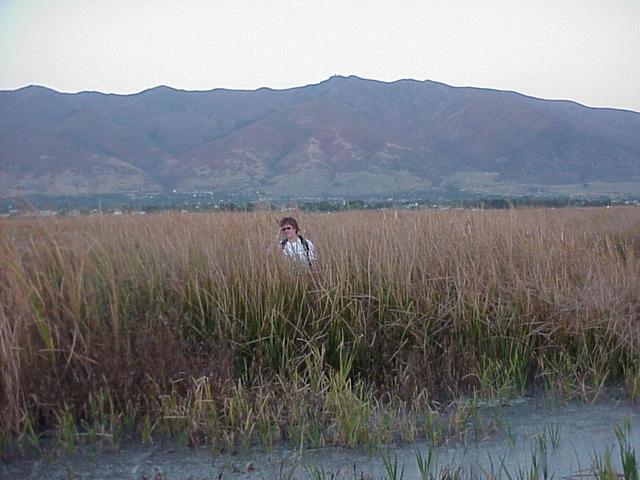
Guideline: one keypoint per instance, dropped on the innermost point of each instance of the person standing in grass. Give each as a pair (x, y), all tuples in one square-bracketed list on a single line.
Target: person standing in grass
[(294, 245)]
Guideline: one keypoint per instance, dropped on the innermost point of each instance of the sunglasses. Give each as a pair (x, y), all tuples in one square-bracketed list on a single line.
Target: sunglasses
[(284, 229)]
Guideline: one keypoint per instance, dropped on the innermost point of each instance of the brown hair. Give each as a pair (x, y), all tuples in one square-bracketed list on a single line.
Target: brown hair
[(289, 221)]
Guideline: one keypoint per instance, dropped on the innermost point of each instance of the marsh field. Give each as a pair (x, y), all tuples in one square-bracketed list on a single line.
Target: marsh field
[(194, 327)]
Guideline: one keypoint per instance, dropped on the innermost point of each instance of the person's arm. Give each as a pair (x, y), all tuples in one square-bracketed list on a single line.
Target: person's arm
[(312, 251), (283, 245)]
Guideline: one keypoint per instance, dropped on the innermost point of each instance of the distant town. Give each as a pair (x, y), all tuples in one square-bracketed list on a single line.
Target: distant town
[(197, 201)]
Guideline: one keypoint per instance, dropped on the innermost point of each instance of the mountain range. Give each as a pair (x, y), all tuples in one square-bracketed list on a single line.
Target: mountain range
[(345, 136)]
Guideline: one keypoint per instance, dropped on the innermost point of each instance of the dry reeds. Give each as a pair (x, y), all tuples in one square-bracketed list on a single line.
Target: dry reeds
[(195, 325)]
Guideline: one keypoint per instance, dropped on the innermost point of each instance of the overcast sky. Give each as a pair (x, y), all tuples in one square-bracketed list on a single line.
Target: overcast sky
[(583, 50)]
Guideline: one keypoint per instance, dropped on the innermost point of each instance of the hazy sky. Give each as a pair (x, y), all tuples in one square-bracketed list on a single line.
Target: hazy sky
[(584, 50)]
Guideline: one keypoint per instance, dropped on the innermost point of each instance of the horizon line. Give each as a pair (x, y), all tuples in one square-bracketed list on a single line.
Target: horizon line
[(388, 82)]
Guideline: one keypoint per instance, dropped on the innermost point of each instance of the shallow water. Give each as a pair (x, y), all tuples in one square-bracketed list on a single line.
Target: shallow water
[(583, 431)]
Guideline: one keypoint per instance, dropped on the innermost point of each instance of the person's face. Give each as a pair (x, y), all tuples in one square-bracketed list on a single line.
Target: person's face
[(288, 232)]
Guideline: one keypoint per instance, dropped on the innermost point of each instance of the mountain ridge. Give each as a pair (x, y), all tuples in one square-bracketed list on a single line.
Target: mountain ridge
[(389, 82), (344, 135)]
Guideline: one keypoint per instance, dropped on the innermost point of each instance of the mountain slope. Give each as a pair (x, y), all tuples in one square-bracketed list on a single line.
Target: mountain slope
[(343, 136)]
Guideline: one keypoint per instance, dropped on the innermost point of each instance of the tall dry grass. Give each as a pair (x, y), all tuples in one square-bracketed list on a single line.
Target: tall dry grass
[(194, 325)]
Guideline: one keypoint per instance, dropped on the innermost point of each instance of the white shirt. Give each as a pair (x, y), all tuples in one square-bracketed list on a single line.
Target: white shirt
[(295, 250)]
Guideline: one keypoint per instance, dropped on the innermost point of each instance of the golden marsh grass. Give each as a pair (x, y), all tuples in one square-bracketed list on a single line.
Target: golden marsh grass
[(193, 324)]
